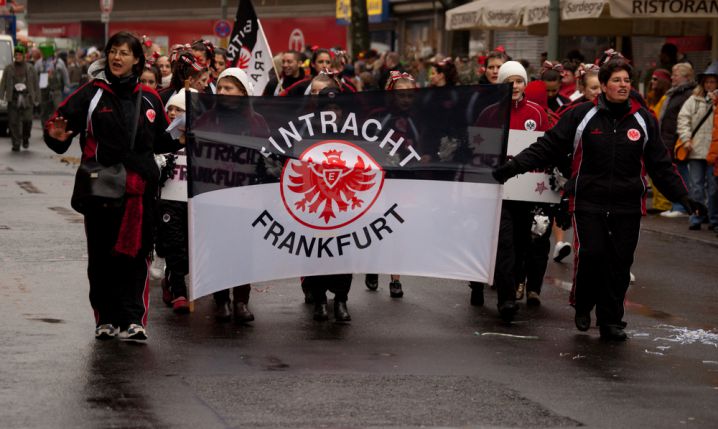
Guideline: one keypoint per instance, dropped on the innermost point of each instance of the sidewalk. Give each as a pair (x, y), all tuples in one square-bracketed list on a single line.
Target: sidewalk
[(678, 228)]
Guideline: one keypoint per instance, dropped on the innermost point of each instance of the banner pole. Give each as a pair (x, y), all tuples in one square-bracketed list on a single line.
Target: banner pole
[(271, 57), (188, 136)]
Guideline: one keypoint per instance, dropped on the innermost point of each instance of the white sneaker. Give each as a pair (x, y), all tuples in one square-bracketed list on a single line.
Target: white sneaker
[(672, 214), (157, 269), (633, 278), (134, 333), (561, 250), (106, 332)]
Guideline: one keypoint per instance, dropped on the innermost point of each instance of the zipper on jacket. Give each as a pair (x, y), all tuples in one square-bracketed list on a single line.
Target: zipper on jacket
[(613, 160)]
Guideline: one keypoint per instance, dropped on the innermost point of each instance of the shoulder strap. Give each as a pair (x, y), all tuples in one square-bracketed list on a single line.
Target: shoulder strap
[(138, 107), (93, 105), (703, 119)]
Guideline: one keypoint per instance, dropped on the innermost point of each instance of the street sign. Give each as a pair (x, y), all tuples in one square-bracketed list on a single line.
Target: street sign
[(222, 28), (106, 6)]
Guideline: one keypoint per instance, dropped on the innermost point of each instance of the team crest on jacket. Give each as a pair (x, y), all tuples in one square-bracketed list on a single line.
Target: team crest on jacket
[(633, 134), (151, 114), (530, 125), (332, 184)]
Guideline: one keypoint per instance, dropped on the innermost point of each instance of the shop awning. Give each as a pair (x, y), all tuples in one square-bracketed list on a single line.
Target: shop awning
[(512, 14)]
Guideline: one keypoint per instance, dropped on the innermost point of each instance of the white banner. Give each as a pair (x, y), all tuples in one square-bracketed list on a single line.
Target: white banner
[(175, 188), (532, 186), (418, 227)]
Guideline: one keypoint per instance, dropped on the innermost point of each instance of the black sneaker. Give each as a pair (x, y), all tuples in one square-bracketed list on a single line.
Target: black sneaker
[(242, 313), (372, 281), (321, 311), (582, 320), (222, 311), (507, 311), (106, 331), (612, 333), (134, 332), (395, 290)]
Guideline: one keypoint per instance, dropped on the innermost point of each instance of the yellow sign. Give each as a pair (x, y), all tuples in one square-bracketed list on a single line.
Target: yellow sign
[(374, 8)]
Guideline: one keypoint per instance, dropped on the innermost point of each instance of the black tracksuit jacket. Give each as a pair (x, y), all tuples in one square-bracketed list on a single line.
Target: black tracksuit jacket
[(610, 158)]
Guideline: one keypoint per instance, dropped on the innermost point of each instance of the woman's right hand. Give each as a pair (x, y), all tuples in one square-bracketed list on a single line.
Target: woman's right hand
[(58, 129)]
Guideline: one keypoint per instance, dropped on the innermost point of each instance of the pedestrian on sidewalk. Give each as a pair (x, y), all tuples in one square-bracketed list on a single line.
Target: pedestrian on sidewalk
[(695, 127), (682, 80), (19, 88), (119, 239)]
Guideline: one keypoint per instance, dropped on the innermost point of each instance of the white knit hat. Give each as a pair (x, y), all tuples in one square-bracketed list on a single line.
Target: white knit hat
[(241, 76), (178, 100), (512, 68)]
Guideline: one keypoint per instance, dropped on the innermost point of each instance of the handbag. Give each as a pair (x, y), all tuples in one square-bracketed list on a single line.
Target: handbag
[(99, 186), (679, 150)]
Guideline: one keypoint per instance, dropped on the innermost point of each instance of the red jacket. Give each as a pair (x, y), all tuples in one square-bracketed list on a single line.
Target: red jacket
[(527, 115)]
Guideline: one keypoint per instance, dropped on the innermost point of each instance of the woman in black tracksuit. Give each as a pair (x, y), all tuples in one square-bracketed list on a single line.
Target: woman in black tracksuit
[(615, 142), (119, 240)]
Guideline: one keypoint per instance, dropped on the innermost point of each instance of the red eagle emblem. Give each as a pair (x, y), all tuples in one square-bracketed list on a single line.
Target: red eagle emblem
[(330, 184), (633, 134), (245, 56)]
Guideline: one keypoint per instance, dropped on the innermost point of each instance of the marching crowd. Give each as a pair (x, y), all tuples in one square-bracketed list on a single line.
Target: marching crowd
[(603, 141)]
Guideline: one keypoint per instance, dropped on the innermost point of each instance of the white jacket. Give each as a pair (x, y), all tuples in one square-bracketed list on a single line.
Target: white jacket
[(691, 113)]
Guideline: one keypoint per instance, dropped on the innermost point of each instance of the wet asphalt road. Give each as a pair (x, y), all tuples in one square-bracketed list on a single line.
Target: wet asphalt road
[(427, 360)]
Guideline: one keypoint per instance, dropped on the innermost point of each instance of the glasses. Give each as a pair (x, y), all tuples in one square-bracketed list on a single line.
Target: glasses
[(119, 53)]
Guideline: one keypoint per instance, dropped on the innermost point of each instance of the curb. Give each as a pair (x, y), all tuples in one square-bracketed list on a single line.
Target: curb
[(683, 237)]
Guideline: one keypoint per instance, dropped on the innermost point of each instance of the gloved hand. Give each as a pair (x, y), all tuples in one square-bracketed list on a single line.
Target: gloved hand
[(504, 172), (694, 207)]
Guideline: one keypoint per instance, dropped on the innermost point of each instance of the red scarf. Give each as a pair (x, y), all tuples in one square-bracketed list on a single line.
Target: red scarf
[(129, 240)]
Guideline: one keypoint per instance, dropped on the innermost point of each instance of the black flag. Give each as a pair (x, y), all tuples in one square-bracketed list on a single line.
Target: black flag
[(248, 48)]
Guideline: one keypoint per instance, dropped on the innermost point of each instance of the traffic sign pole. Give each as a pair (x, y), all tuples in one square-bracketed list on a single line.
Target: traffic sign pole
[(105, 10)]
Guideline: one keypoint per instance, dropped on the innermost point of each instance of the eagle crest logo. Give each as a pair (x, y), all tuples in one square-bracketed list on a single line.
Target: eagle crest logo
[(331, 185)]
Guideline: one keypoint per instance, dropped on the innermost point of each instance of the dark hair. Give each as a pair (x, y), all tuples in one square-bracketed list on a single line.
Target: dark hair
[(496, 54), (329, 79), (449, 70), (222, 52), (207, 48), (182, 69), (551, 75), (671, 50), (297, 55), (316, 54), (135, 45), (156, 72), (569, 66), (611, 67), (575, 56)]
